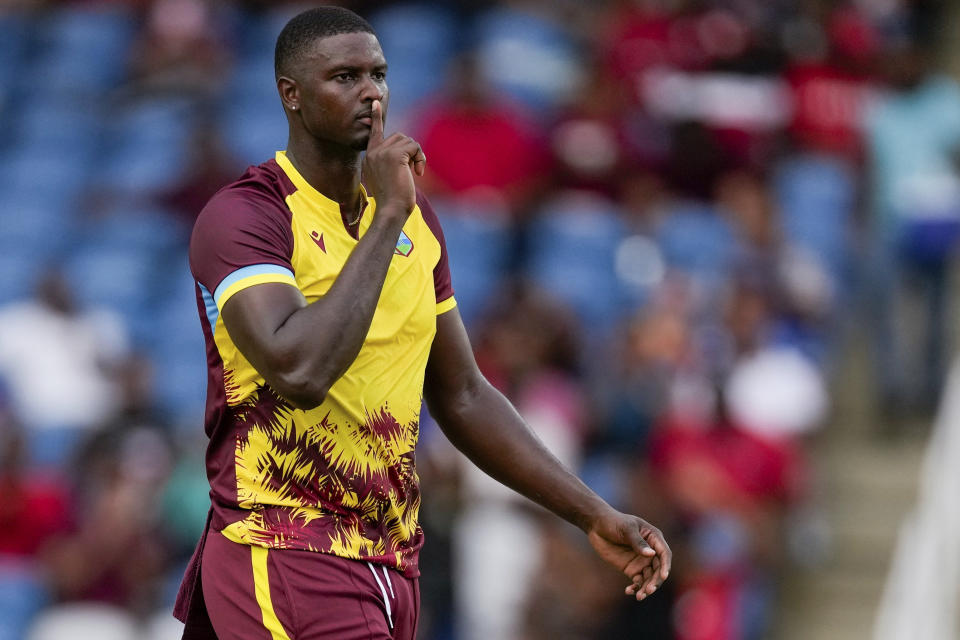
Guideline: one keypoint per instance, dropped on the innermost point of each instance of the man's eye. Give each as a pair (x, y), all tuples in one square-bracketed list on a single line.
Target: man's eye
[(380, 76), (344, 76)]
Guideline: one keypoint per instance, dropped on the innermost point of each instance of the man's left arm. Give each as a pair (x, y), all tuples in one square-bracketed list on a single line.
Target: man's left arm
[(485, 427)]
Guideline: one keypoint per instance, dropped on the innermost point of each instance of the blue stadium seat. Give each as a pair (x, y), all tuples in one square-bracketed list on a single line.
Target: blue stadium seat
[(144, 169), (253, 80), (479, 248), (107, 28), (253, 125), (84, 48), (527, 56), (162, 121), (258, 31), (181, 380), (117, 278), (177, 345), (22, 596), (147, 145), (816, 197), (128, 225), (571, 253), (46, 119), (33, 174), (19, 272), (15, 32), (38, 230), (255, 129), (697, 240)]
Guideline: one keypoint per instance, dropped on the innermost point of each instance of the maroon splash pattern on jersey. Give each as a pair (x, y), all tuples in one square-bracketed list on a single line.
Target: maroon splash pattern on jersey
[(357, 490)]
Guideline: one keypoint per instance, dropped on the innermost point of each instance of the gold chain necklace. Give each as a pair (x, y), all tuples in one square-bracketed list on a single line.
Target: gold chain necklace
[(356, 218)]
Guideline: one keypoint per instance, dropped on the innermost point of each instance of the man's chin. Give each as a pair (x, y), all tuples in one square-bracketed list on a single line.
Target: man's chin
[(361, 143)]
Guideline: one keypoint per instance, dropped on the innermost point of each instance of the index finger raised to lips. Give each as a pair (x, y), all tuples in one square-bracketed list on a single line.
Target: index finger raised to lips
[(376, 123)]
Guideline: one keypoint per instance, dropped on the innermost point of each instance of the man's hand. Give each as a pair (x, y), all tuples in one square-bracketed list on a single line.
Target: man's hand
[(635, 547), (389, 165)]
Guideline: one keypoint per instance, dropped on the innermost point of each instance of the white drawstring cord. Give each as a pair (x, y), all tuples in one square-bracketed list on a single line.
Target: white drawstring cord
[(389, 583), (386, 598)]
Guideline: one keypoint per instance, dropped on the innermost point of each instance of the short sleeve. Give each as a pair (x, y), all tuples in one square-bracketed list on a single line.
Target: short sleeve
[(241, 238), (442, 284)]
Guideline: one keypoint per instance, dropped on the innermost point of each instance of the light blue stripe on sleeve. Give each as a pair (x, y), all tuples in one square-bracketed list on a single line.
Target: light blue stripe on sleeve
[(210, 306), (246, 272)]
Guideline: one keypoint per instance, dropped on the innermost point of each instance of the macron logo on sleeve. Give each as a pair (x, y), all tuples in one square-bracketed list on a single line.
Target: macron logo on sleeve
[(318, 240)]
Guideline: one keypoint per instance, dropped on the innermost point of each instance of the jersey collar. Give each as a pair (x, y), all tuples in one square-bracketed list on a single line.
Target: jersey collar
[(302, 185)]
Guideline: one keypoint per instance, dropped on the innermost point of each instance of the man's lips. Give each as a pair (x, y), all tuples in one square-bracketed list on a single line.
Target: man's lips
[(366, 119)]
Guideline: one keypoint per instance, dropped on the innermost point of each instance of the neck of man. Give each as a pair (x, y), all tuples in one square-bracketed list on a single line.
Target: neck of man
[(333, 170)]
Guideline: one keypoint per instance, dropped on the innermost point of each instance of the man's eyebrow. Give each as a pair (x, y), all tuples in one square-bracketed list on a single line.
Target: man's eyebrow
[(357, 68)]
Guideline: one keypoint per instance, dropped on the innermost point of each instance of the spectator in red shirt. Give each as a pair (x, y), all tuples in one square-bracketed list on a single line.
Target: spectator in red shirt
[(831, 93), (480, 147)]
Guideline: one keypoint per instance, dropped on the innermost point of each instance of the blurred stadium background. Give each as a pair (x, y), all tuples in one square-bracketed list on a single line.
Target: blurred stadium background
[(705, 246)]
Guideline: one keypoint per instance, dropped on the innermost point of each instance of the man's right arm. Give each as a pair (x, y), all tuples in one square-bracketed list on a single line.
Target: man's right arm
[(301, 349)]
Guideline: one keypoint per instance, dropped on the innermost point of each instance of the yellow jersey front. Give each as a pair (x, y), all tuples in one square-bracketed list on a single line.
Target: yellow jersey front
[(339, 478)]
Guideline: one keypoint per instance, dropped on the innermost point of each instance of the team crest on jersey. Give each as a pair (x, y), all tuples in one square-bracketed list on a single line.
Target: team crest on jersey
[(404, 245)]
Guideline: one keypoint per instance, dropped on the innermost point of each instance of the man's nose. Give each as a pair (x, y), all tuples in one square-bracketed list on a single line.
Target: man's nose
[(372, 90)]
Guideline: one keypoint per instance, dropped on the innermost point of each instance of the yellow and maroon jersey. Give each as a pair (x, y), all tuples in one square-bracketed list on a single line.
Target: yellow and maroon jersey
[(338, 478)]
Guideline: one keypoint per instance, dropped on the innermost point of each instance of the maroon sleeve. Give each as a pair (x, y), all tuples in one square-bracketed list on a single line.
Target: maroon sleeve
[(240, 226), (442, 284)]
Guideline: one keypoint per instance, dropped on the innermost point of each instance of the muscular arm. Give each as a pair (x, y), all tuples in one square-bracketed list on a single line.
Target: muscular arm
[(301, 349), (482, 424)]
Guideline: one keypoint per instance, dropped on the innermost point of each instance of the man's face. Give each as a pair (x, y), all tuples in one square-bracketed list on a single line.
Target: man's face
[(339, 78)]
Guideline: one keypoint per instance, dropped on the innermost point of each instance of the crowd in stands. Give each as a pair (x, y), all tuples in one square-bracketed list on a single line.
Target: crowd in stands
[(662, 218)]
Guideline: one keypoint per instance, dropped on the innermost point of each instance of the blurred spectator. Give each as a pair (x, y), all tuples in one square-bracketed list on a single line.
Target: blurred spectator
[(439, 466), (744, 197), (180, 50), (113, 555), (731, 489), (643, 196), (184, 503), (699, 65), (636, 37), (34, 508), (481, 148), (526, 349), (85, 620), (136, 403), (696, 160), (210, 166), (724, 450), (655, 348), (832, 80), (798, 288), (914, 135), (599, 137), (60, 363), (34, 505)]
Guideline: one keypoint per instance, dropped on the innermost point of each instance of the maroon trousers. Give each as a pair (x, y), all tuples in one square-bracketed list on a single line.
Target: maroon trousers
[(252, 593)]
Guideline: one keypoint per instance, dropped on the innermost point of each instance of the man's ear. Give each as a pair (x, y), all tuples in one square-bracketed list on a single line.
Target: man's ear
[(289, 92)]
